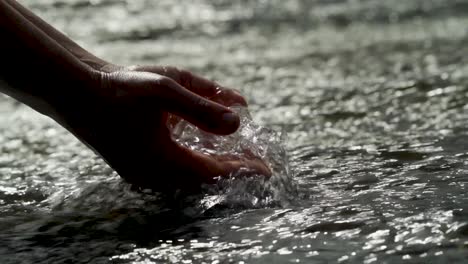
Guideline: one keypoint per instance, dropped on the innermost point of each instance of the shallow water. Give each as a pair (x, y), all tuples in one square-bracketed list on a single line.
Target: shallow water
[(372, 95)]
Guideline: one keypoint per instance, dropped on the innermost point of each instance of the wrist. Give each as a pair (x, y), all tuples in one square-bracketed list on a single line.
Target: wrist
[(76, 96)]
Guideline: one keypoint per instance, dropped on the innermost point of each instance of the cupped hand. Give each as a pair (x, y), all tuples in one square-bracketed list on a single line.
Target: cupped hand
[(127, 124)]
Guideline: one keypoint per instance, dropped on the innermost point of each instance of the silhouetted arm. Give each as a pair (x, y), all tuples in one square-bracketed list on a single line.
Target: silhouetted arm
[(60, 38), (37, 70)]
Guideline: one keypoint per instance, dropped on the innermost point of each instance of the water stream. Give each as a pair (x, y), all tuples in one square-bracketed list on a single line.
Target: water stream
[(368, 99)]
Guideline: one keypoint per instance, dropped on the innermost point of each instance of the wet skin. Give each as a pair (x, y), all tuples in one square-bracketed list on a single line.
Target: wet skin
[(123, 113)]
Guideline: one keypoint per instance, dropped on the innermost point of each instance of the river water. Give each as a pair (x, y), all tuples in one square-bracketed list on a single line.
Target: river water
[(371, 97)]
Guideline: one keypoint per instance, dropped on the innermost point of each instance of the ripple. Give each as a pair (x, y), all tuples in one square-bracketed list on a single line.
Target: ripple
[(371, 95)]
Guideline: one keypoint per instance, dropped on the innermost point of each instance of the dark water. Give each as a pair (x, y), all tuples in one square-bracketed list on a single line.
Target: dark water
[(373, 96)]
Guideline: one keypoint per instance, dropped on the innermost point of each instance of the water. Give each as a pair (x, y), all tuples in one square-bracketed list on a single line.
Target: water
[(371, 94), (250, 142)]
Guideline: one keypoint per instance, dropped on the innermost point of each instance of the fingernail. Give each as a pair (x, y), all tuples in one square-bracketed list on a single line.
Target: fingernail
[(230, 118)]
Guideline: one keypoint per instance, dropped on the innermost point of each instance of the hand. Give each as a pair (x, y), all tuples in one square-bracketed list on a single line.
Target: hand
[(127, 125)]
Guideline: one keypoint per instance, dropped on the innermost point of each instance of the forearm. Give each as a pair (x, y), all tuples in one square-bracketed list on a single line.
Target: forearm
[(61, 39), (37, 70)]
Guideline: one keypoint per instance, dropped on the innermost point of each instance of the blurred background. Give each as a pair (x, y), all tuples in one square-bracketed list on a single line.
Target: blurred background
[(372, 94)]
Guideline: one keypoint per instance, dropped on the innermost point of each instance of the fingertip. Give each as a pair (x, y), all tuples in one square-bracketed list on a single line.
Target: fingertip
[(230, 122), (240, 99), (254, 167)]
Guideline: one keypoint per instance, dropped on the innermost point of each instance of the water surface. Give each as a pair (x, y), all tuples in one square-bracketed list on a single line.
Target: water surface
[(372, 94)]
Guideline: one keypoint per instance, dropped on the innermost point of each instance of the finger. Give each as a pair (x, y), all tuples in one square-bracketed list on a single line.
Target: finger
[(208, 168), (198, 85), (210, 89), (204, 113), (229, 97)]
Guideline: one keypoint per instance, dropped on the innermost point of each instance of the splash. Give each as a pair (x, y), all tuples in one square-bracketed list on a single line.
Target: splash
[(250, 141)]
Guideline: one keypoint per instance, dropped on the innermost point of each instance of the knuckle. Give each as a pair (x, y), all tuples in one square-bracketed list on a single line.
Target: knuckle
[(185, 77), (171, 69), (165, 81), (164, 88)]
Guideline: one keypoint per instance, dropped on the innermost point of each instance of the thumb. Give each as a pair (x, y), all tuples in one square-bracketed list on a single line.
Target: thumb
[(202, 112)]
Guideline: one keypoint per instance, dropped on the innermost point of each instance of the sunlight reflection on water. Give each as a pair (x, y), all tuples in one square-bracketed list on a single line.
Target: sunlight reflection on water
[(372, 96)]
